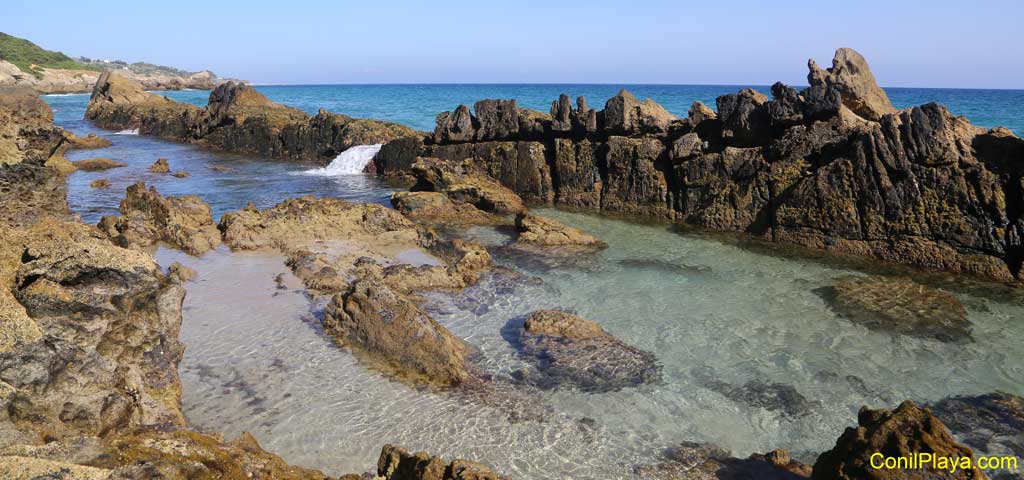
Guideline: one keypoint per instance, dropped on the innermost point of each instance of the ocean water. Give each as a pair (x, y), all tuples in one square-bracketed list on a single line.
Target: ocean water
[(719, 316)]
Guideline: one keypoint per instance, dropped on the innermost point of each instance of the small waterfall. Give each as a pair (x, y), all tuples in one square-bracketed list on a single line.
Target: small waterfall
[(130, 131), (349, 162)]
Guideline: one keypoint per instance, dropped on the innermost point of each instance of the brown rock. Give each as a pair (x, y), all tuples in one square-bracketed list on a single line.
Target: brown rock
[(396, 463), (903, 432), (625, 115), (87, 142), (181, 174), (437, 209), (99, 163), (851, 77), (541, 231), (148, 217), (181, 273), (466, 186), (160, 166), (27, 132), (100, 183)]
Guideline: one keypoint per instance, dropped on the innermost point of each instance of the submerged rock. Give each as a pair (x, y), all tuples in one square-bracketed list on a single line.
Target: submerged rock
[(396, 463), (775, 397), (902, 432), (572, 350), (900, 305), (992, 423), (100, 183), (391, 329), (701, 461), (545, 232), (97, 164), (148, 217)]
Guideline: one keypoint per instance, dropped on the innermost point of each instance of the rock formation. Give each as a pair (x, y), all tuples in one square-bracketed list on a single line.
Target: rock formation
[(901, 432), (237, 119), (900, 305), (545, 232), (466, 186), (98, 164), (396, 463), (160, 166), (575, 351), (435, 208), (148, 217), (832, 167)]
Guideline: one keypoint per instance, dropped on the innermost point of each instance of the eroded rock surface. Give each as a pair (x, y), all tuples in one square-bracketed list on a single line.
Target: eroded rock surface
[(900, 305), (436, 208), (571, 350), (545, 232), (148, 217), (466, 186), (396, 463)]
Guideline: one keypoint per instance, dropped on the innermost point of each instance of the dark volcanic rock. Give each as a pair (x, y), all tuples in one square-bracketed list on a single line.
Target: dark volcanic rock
[(902, 432), (900, 305), (569, 349)]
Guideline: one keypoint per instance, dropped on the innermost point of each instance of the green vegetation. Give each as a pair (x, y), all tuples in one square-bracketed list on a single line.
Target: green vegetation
[(29, 57)]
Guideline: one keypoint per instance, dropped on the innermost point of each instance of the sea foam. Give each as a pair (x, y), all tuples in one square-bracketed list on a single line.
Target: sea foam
[(349, 162), (128, 131)]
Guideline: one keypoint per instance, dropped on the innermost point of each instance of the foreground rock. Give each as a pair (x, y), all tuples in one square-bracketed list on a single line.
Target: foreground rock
[(97, 164), (237, 119), (148, 217), (902, 432), (396, 463), (571, 350), (832, 167), (899, 305), (466, 186), (545, 232), (698, 461), (435, 208)]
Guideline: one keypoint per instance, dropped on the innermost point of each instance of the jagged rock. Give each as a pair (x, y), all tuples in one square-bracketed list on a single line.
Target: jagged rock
[(181, 273), (97, 164), (160, 166), (455, 127), (87, 142), (437, 209), (496, 119), (396, 463), (393, 331), (635, 178), (397, 156), (27, 132), (851, 78), (541, 231), (744, 118), (464, 186), (900, 305), (569, 349), (100, 183), (148, 217), (699, 112), (237, 119), (625, 115), (898, 433)]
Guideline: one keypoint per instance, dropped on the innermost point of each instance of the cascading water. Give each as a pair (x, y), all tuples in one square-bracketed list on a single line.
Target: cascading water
[(349, 162)]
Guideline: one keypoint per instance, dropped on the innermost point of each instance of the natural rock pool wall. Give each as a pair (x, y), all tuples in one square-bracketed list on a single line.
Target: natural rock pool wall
[(833, 167)]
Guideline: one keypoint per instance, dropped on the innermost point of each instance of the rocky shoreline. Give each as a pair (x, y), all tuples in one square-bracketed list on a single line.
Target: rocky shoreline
[(89, 355)]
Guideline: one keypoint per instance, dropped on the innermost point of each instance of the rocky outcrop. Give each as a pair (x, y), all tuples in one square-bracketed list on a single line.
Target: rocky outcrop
[(396, 463), (148, 217), (237, 119), (832, 167), (27, 132), (902, 432), (545, 232), (160, 166), (436, 208), (87, 142), (397, 334), (900, 305), (466, 186), (571, 350), (98, 164)]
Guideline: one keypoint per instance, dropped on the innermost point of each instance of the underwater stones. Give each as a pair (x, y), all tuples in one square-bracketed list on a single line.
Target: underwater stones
[(160, 166), (462, 185), (97, 164), (148, 217), (396, 463), (545, 232), (702, 461), (373, 318), (992, 423), (771, 396), (437, 209), (900, 305), (902, 432), (575, 351), (852, 79)]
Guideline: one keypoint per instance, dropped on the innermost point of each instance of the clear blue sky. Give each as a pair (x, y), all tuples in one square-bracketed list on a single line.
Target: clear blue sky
[(934, 43)]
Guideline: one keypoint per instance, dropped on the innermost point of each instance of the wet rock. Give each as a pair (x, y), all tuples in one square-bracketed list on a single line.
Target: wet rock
[(181, 174), (465, 186), (771, 396), (396, 463), (160, 166), (119, 103), (991, 423), (436, 208), (87, 142), (664, 266), (397, 334), (902, 432), (181, 273), (100, 183), (96, 164), (572, 350), (852, 79), (541, 231), (222, 168), (701, 461), (148, 217), (900, 305)]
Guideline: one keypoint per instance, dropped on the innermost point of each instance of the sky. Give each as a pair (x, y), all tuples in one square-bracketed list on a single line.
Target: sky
[(909, 43)]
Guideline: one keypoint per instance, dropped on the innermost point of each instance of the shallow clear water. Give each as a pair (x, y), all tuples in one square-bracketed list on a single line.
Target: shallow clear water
[(717, 316)]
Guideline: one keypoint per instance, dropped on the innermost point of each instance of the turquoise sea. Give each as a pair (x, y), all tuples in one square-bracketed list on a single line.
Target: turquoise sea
[(752, 356)]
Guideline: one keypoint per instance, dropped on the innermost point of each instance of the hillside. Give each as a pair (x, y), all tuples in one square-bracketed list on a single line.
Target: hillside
[(22, 62)]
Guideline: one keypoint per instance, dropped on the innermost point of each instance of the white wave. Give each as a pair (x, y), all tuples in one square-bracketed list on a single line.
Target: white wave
[(65, 94), (349, 162), (128, 131)]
